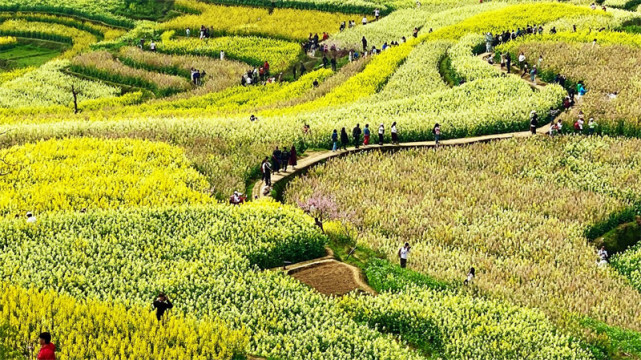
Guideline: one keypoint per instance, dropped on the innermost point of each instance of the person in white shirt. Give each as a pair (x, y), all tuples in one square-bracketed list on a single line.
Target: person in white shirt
[(30, 218), (187, 32), (364, 20), (470, 276), (521, 60), (403, 253), (603, 257), (603, 254), (381, 132), (152, 46), (377, 14), (394, 134)]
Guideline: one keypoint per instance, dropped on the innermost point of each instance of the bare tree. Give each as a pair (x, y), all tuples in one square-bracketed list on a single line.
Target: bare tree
[(75, 99)]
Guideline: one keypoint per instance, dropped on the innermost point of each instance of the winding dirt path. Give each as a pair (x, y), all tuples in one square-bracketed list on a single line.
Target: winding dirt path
[(260, 190)]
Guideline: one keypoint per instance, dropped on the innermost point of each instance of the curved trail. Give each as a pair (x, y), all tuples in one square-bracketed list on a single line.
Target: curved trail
[(260, 190)]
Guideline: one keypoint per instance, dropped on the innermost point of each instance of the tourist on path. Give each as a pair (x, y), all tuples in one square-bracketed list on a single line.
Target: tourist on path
[(521, 60), (276, 159), (508, 62), (47, 349), (534, 122), (161, 305), (366, 135), (437, 133), (381, 133), (356, 133), (267, 172), (284, 158), (403, 253), (334, 140), (344, 139), (364, 41), (293, 158), (533, 74), (394, 131)]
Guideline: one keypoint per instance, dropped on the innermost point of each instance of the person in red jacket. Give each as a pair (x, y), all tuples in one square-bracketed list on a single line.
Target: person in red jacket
[(47, 349)]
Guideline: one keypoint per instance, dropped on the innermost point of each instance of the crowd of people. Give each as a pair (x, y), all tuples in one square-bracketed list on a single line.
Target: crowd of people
[(259, 75), (280, 160)]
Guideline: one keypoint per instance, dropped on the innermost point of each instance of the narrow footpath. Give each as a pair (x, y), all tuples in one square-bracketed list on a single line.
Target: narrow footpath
[(260, 190)]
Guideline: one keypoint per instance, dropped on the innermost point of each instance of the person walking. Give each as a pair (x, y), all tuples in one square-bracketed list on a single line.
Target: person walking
[(437, 133), (403, 253), (533, 74), (364, 41), (344, 139), (381, 133), (276, 159), (334, 140), (284, 158), (267, 172), (521, 60), (534, 122), (366, 134), (394, 132), (356, 133), (161, 305), (47, 349), (293, 158), (334, 64)]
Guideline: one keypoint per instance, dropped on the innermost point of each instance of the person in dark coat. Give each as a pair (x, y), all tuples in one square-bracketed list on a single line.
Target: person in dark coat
[(267, 172), (293, 158), (302, 69), (334, 65), (344, 139), (284, 159), (364, 41), (356, 133), (276, 159), (161, 305)]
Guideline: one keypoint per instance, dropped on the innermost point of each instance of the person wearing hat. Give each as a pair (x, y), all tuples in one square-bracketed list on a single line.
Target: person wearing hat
[(534, 122), (30, 218)]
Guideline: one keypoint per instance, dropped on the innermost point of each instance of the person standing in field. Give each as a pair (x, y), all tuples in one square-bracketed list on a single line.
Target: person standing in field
[(344, 139), (293, 159), (334, 140), (470, 276), (161, 305), (381, 133), (364, 41), (591, 126), (394, 132), (366, 134), (356, 133), (403, 253), (47, 349)]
